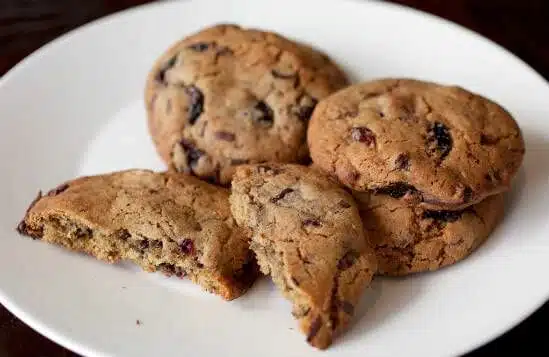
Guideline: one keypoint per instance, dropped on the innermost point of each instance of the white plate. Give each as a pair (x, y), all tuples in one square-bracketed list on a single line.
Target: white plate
[(75, 107)]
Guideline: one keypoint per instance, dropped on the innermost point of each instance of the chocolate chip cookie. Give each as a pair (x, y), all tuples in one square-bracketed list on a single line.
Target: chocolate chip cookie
[(410, 239), (307, 234), (441, 147), (168, 222), (227, 96)]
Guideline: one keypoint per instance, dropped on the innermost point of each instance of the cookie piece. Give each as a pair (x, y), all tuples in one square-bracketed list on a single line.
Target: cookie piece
[(307, 234), (437, 146), (411, 240), (167, 222), (228, 96)]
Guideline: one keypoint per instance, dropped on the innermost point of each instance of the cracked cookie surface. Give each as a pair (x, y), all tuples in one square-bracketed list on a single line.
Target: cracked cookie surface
[(438, 146), (411, 240), (227, 96), (168, 222), (307, 234)]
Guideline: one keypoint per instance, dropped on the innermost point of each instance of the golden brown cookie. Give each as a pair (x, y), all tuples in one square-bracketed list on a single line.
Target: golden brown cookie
[(410, 239), (166, 222), (307, 234), (437, 146), (227, 96)]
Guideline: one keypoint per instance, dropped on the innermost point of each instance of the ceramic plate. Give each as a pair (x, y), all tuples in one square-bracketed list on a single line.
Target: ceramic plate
[(75, 107)]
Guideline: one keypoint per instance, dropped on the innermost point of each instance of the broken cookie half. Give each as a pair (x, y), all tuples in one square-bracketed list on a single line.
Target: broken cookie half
[(166, 222), (307, 234)]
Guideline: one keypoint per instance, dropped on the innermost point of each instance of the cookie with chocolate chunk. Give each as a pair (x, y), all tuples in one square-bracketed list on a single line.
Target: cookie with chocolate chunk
[(168, 222), (441, 147), (227, 96), (307, 234), (411, 240)]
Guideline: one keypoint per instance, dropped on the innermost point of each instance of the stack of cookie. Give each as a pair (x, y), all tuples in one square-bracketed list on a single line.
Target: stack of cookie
[(427, 164), (407, 176)]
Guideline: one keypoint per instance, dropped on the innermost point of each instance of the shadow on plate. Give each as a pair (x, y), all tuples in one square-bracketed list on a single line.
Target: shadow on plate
[(535, 170), (381, 303), (533, 175)]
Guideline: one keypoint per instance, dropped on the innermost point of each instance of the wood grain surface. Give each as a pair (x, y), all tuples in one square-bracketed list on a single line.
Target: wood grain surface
[(520, 26)]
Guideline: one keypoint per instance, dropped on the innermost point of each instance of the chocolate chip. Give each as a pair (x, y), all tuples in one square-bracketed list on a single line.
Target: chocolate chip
[(402, 162), (488, 140), (170, 269), (196, 106), (396, 189), (281, 195), (192, 153), (264, 114), (440, 135), (161, 76), (363, 135), (277, 74), (59, 189), (444, 216), (344, 204), (157, 244), (140, 245), (347, 307), (82, 233), (199, 47), (186, 246), (315, 327), (122, 234), (24, 229), (305, 108), (225, 135), (347, 260), (311, 222), (239, 161)]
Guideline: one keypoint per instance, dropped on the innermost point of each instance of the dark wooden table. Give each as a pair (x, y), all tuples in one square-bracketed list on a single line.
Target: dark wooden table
[(520, 26)]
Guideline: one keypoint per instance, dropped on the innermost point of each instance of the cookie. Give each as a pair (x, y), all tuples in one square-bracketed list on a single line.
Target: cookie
[(436, 146), (167, 222), (228, 96), (307, 234), (411, 240)]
